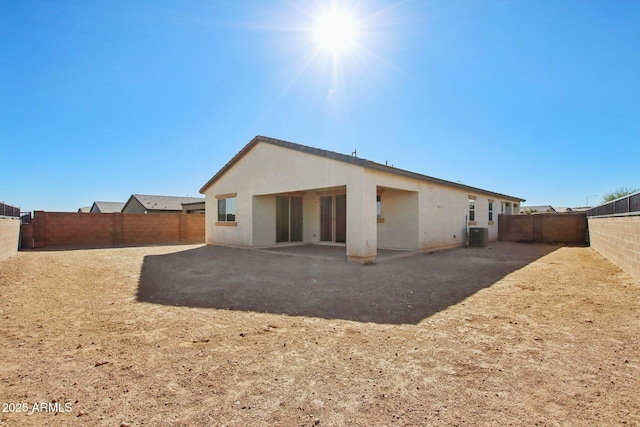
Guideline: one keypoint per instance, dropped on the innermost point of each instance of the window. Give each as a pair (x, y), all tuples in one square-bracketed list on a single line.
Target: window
[(227, 209), (502, 208), (490, 211), (472, 209), (379, 217)]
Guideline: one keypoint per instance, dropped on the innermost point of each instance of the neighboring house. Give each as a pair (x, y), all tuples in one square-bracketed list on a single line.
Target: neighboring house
[(106, 207), (581, 208), (535, 210), (140, 203), (275, 191), (530, 210), (194, 208), (564, 209), (84, 209)]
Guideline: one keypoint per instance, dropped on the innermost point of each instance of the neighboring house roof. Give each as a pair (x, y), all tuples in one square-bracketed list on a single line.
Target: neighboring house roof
[(163, 203), (346, 159), (191, 204), (538, 209), (107, 207), (85, 209), (563, 209), (194, 207)]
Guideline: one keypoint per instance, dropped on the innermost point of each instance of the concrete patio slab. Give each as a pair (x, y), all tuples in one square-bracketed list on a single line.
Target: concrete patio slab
[(332, 252)]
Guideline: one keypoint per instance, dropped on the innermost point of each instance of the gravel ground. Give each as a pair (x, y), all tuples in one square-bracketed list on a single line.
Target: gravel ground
[(198, 336)]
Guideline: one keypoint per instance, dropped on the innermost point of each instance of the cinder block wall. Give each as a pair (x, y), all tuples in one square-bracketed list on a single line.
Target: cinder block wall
[(9, 236), (618, 240), (60, 229), (570, 229), (192, 228), (155, 229), (75, 229), (26, 236), (515, 228)]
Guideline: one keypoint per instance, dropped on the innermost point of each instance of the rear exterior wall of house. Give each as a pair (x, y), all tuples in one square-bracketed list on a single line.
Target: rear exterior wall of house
[(414, 214)]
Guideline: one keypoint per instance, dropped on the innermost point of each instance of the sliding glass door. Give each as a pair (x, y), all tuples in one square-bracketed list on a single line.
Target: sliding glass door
[(288, 219), (333, 218)]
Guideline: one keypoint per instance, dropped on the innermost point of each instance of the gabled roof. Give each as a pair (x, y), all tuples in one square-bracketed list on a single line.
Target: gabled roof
[(346, 159), (563, 209), (107, 207), (538, 209), (163, 203)]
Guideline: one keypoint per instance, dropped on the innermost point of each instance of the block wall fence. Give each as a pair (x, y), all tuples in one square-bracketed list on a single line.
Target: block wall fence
[(569, 229), (618, 240), (9, 237), (60, 229)]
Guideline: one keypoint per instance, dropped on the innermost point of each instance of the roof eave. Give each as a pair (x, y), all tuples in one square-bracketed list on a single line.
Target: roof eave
[(346, 159), (384, 168)]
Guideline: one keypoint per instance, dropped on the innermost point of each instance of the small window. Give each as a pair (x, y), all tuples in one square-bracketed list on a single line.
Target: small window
[(490, 211), (379, 206), (472, 210), (227, 209)]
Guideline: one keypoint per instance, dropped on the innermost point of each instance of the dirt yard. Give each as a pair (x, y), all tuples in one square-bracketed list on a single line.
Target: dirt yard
[(199, 336)]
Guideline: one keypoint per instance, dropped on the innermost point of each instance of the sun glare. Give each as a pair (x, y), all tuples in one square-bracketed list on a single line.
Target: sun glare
[(342, 41), (335, 31)]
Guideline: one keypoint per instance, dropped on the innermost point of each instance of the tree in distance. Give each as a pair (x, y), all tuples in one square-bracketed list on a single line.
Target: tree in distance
[(616, 194)]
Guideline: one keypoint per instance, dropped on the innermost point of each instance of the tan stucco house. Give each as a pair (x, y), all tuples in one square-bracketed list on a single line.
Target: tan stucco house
[(278, 192)]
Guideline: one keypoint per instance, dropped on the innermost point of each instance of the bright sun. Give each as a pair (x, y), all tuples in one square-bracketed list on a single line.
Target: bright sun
[(335, 31)]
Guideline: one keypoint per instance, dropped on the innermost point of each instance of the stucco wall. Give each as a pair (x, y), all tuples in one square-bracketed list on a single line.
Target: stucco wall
[(310, 218), (618, 240), (267, 170), (399, 224), (442, 211), (418, 214), (9, 235), (443, 217), (264, 218)]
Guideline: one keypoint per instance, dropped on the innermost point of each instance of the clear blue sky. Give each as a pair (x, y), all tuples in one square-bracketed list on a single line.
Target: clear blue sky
[(538, 99)]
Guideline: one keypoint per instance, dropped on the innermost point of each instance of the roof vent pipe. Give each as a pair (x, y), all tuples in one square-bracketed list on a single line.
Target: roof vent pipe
[(355, 153)]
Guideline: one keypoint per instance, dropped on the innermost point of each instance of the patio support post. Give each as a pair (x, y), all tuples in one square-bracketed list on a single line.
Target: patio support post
[(362, 235)]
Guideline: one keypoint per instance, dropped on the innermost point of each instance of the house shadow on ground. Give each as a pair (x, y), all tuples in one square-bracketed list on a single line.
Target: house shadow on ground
[(401, 291)]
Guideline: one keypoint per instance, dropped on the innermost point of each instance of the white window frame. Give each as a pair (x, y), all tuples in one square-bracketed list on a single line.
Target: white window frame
[(226, 209), (472, 210)]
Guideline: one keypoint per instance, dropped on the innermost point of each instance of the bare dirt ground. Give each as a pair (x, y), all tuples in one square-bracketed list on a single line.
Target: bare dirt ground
[(174, 335)]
